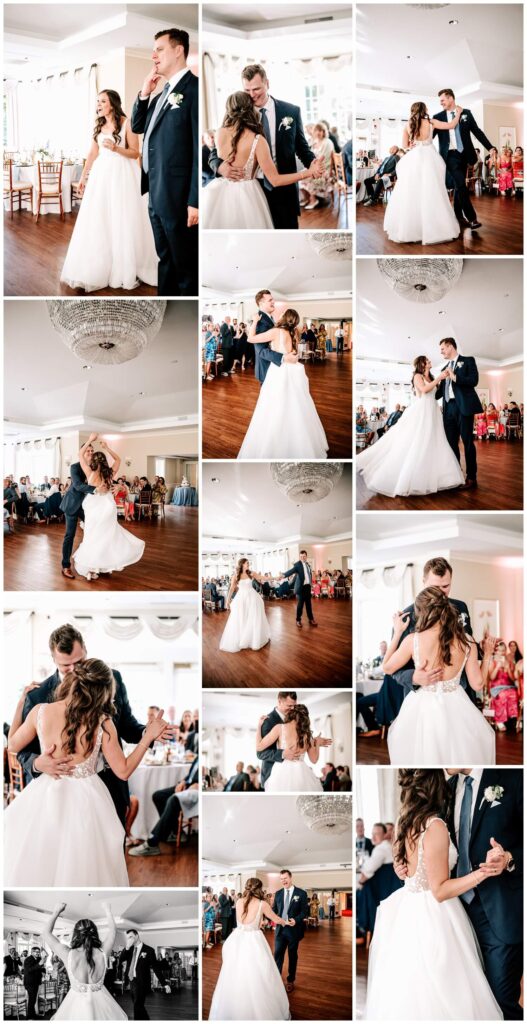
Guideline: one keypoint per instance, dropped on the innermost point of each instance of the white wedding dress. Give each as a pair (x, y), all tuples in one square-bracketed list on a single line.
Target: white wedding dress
[(112, 245), (247, 625), (425, 962), (285, 423), (249, 986), (89, 1000), (106, 546), (236, 204), (414, 456), (64, 832), (292, 776), (440, 725), (419, 209)]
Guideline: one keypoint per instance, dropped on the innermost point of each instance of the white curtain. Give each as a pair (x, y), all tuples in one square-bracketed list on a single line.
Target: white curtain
[(16, 620), (36, 459), (382, 591), (55, 114), (162, 629), (376, 795)]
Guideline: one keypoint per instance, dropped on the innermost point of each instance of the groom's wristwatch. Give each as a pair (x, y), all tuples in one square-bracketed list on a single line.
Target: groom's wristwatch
[(511, 866)]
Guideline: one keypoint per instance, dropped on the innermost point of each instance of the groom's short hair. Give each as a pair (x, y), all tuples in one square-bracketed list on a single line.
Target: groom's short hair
[(446, 92), (439, 567), (286, 871), (448, 341), (64, 639), (284, 694), (259, 295), (177, 36), (252, 70)]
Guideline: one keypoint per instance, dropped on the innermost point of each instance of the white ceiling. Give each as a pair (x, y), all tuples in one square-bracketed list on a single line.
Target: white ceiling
[(243, 708), (246, 504), (44, 37), (106, 398), (144, 909), (239, 264), (265, 834), (481, 57), (395, 329), (291, 31), (248, 16), (481, 537)]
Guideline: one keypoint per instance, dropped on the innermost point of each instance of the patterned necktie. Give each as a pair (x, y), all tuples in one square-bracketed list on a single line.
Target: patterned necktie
[(464, 867), (157, 110), (267, 132)]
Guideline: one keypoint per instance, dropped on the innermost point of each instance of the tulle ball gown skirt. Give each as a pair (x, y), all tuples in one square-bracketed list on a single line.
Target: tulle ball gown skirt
[(247, 624), (106, 546), (235, 204), (249, 986), (419, 209), (285, 423), (63, 832), (424, 963), (440, 728), (292, 777), (99, 1005)]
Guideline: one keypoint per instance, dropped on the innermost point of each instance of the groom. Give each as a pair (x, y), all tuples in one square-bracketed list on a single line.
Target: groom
[(263, 353), (71, 506), (303, 578), (458, 152), (291, 904), (460, 404), (286, 700), (170, 161), (139, 961)]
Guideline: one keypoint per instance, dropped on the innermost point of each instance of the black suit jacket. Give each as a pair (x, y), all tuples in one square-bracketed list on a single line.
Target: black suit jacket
[(501, 897), (240, 784), (75, 495), (146, 962), (465, 395), (33, 972), (298, 571), (467, 127), (298, 910), (11, 966), (388, 165), (173, 151), (128, 729), (225, 903), (368, 845), (273, 753), (263, 355), (227, 335)]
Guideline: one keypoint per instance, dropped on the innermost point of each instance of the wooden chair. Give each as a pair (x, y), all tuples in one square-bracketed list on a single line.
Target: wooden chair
[(76, 196), (144, 504), (208, 603), (49, 185), (342, 188), (158, 507), (22, 189), (15, 999), (48, 996), (183, 825), (16, 775)]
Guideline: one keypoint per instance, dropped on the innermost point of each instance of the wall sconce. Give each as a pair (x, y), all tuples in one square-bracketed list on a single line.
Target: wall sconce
[(128, 463)]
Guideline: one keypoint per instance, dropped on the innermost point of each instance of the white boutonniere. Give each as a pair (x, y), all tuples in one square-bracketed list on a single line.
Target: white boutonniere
[(295, 898), (142, 955), (175, 99), (462, 618), (286, 123), (464, 117), (492, 795), (458, 366)]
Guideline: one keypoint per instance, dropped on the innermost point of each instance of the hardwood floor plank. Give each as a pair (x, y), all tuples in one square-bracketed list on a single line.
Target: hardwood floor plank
[(374, 750), (174, 868)]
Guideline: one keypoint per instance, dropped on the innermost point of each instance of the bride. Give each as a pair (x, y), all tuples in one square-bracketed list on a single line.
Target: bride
[(295, 735), (86, 962), (419, 209), (112, 245), (285, 423), (414, 456), (247, 625), (106, 546), (66, 831), (240, 141), (249, 986), (439, 724), (424, 961)]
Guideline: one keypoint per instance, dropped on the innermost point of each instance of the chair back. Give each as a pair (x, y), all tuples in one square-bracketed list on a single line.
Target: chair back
[(338, 167), (8, 174), (16, 774), (50, 177), (145, 497)]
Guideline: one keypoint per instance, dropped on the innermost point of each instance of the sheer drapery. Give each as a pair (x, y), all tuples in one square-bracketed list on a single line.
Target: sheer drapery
[(382, 591), (35, 459), (376, 795), (55, 113), (162, 629)]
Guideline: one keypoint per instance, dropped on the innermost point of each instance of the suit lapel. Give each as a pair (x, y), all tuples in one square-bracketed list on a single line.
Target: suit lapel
[(177, 88), (488, 778)]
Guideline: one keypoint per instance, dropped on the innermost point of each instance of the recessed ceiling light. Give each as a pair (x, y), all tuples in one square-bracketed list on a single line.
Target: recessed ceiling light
[(500, 329), (442, 312), (453, 21), (86, 367), (214, 479)]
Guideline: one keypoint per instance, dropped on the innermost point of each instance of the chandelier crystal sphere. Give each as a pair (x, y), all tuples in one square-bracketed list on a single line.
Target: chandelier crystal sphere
[(305, 482), (320, 814), (333, 245), (421, 280), (106, 331)]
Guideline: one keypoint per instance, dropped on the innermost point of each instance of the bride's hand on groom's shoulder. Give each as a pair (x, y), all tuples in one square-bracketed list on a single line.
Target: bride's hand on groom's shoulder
[(400, 621), (261, 720), (27, 689)]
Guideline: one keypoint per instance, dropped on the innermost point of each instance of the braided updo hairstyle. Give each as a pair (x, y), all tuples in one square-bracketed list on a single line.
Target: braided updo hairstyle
[(99, 463), (89, 690), (431, 607), (240, 115), (418, 114), (85, 936), (425, 794), (300, 715), (253, 890)]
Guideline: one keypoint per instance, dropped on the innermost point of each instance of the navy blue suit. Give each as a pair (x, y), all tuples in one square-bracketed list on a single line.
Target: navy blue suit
[(496, 912), (459, 412), (273, 753), (287, 937), (302, 589), (263, 355), (457, 161), (71, 505)]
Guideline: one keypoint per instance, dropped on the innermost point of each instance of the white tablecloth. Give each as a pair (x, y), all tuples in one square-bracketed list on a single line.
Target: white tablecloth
[(144, 781), (361, 173), (70, 172)]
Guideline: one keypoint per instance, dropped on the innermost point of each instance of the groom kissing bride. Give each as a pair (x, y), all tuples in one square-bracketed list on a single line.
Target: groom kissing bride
[(420, 454), (283, 739)]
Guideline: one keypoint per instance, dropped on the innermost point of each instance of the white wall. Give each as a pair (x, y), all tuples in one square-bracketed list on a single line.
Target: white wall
[(329, 556), (500, 381), (495, 117)]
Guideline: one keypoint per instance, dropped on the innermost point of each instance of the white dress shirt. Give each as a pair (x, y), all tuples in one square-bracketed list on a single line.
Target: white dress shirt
[(476, 774), (381, 854), (306, 573), (452, 141)]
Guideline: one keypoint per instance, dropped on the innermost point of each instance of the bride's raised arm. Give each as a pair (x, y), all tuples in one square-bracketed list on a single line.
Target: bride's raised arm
[(265, 161), (83, 461), (263, 742), (116, 458), (446, 126), (123, 766), (108, 942), (257, 339), (51, 940)]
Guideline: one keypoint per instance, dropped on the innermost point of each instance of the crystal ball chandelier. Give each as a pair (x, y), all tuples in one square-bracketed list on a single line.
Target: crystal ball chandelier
[(421, 280), (321, 814), (304, 482), (106, 330)]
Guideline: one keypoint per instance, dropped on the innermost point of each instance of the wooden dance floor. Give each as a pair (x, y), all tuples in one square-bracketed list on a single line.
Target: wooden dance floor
[(181, 1005), (500, 234), (323, 987), (229, 402), (175, 868), (33, 556), (498, 461), (374, 750), (294, 657)]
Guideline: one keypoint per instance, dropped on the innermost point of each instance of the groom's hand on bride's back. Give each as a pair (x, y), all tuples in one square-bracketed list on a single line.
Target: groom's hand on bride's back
[(59, 767), (427, 676), (401, 870), (228, 171)]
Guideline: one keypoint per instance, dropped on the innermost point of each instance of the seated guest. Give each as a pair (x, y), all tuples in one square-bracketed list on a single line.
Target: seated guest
[(254, 779), (120, 492), (517, 163), (344, 778), (217, 597), (207, 145), (159, 489), (503, 691), (394, 417), (375, 185), (505, 179), (186, 726), (379, 658), (46, 485), (238, 783), (362, 843), (12, 964), (330, 782), (382, 853), (491, 168), (347, 160), (366, 705), (13, 501), (145, 484), (170, 803), (54, 486), (362, 429)]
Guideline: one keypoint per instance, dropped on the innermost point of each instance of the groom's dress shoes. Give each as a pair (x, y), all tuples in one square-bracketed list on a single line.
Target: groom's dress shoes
[(68, 573), (470, 484), (299, 624), (474, 225), (313, 623)]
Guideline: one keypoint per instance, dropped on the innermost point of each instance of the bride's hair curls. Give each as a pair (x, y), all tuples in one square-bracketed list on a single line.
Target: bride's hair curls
[(254, 889), (418, 114), (431, 607), (425, 794), (99, 463), (289, 321), (239, 568), (420, 367), (89, 692), (86, 936), (241, 115), (116, 110), (300, 715)]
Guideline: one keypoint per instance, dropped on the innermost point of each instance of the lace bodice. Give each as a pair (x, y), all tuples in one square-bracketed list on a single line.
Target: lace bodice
[(249, 168), (444, 685), (85, 768), (425, 142), (86, 986), (419, 880), (282, 744), (253, 925)]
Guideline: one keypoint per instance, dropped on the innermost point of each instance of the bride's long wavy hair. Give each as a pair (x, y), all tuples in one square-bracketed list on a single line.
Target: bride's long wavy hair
[(239, 568), (86, 936), (99, 463), (418, 114), (116, 111), (289, 321), (240, 115), (425, 794), (253, 890), (300, 715), (89, 692), (432, 607), (420, 367)]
